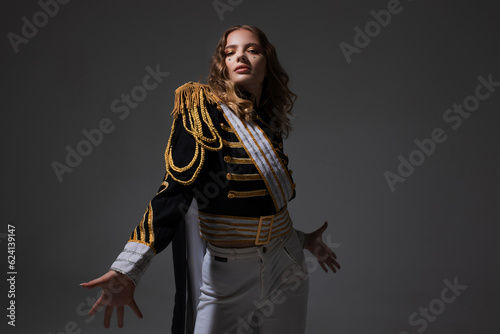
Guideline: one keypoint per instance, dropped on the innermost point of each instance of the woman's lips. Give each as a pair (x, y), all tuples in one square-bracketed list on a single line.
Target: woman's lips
[(242, 70)]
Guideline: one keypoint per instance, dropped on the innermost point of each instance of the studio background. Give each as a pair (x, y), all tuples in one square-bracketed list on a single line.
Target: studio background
[(354, 117)]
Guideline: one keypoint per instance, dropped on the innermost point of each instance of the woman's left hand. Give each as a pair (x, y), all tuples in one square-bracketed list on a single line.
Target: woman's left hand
[(314, 243)]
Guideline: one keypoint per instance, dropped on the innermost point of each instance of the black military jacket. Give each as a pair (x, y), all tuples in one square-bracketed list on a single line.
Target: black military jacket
[(204, 160)]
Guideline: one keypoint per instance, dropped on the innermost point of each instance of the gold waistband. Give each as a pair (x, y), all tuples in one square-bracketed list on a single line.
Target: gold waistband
[(233, 229)]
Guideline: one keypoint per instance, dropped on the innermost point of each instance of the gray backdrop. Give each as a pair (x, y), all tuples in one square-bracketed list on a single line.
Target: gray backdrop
[(370, 92)]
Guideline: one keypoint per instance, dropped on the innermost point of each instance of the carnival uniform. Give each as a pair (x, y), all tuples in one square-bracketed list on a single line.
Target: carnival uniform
[(216, 186)]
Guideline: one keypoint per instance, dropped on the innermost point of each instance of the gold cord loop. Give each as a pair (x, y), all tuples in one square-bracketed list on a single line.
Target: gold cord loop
[(188, 99)]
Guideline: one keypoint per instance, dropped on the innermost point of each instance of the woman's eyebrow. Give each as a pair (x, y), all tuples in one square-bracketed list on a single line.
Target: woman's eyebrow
[(233, 46)]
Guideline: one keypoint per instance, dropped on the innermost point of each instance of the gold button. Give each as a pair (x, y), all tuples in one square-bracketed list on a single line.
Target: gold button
[(227, 158), (228, 176), (230, 195)]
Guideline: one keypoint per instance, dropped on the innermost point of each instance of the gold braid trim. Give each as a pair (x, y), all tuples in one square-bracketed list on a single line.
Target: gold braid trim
[(188, 98), (187, 95)]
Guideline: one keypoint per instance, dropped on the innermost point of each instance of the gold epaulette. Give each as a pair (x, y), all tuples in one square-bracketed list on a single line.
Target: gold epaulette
[(188, 95), (191, 105)]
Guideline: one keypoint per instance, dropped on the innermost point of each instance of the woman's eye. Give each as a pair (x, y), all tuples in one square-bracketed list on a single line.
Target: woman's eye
[(253, 51), (229, 53)]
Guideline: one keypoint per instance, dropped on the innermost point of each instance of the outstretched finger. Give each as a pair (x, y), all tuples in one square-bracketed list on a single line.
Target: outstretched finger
[(119, 314), (322, 228), (333, 254), (322, 264), (91, 284), (95, 282), (97, 306), (334, 265), (331, 266), (135, 308), (107, 316)]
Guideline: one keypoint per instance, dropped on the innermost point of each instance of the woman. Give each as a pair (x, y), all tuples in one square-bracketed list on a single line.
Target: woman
[(227, 180)]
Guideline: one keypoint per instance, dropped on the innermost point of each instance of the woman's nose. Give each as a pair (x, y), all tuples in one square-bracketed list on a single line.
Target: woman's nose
[(240, 56)]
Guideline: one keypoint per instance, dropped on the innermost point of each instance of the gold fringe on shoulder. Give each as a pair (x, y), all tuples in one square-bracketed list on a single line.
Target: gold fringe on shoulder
[(188, 98), (188, 95)]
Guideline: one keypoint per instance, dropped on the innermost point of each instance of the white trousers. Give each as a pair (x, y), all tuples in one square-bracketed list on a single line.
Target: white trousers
[(259, 290)]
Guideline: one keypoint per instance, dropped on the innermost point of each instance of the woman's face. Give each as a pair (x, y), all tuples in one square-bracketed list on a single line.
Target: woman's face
[(245, 61)]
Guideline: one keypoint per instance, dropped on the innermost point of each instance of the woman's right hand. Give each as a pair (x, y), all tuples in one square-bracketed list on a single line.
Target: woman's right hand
[(117, 291)]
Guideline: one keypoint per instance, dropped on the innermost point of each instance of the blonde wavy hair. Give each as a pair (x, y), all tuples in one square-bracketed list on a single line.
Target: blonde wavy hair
[(277, 99)]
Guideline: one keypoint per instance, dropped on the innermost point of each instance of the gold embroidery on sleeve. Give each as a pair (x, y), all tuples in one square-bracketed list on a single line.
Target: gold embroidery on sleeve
[(141, 236), (150, 226)]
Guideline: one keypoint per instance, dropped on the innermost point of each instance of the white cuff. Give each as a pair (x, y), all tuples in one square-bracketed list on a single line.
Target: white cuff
[(133, 260)]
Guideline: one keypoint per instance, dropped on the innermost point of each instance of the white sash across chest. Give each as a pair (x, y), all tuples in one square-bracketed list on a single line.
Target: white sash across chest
[(260, 150)]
